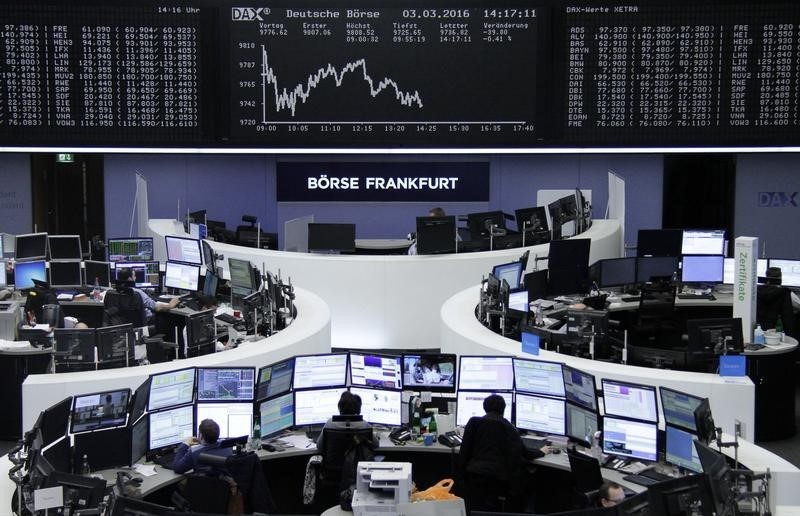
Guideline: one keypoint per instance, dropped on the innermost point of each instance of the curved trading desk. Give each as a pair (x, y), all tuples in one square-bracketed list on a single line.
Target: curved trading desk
[(731, 398), (389, 301), (309, 333)]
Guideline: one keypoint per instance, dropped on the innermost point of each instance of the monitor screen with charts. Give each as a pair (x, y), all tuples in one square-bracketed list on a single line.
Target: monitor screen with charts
[(375, 371), (679, 408), (64, 247), (703, 241), (630, 400), (182, 276), (171, 389), (703, 268), (580, 387), (276, 414), (316, 406), (380, 406), (99, 410), (511, 272), (145, 274), (225, 383), (581, 424), (538, 377), (790, 271), (171, 427), (311, 371), (275, 379), (130, 249), (184, 250), (470, 404), (234, 419), (518, 300), (429, 372), (680, 449), (729, 266), (540, 414), (628, 438), (486, 373)]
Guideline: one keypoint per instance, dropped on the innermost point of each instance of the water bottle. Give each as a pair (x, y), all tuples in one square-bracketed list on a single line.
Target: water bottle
[(758, 335), (85, 469), (416, 425), (432, 427), (96, 290), (255, 438)]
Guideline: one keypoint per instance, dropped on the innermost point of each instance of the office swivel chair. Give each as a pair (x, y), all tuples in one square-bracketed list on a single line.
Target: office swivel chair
[(337, 443), (773, 300), (123, 306), (587, 477), (248, 476), (656, 317), (204, 494)]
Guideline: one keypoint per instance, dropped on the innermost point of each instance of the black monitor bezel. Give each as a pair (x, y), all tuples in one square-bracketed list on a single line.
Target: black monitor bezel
[(103, 281), (453, 359), (693, 327), (527, 391), (150, 391), (196, 269), (643, 281), (536, 210), (223, 368), (475, 223), (576, 438), (601, 282), (365, 352), (259, 383), (32, 237), (192, 411), (431, 232), (128, 329), (653, 388), (344, 381), (520, 271), (75, 264), (720, 257), (135, 265), (76, 256), (539, 396), (75, 399), (596, 406), (121, 239), (167, 239), (460, 376), (40, 264), (345, 244), (630, 420), (96, 487), (260, 402), (661, 390)]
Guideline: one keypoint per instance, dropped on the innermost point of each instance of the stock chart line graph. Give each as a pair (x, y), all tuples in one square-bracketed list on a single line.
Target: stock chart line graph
[(285, 99)]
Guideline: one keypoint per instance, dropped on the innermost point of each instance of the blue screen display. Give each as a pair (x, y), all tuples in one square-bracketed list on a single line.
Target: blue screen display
[(26, 272)]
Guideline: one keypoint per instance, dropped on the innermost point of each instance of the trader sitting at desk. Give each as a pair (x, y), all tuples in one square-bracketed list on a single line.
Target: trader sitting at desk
[(188, 451), (349, 405), (610, 494), (126, 280)]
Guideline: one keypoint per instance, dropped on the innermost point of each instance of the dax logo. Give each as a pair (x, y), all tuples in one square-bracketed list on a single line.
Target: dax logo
[(777, 199), (249, 13)]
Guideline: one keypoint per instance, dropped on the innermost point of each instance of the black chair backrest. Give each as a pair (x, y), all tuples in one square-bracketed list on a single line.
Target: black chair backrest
[(246, 470), (771, 301), (123, 306), (337, 442), (657, 302), (207, 494), (52, 315), (585, 472)]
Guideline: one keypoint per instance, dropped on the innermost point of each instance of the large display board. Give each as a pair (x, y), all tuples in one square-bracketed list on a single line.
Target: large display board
[(470, 74)]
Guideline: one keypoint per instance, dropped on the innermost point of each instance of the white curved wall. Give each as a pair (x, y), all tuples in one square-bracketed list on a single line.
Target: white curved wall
[(392, 301), (309, 333)]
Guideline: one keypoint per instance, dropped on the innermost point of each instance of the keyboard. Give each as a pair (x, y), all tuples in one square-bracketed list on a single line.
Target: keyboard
[(165, 461), (641, 480), (534, 444), (693, 296), (655, 475), (227, 318)]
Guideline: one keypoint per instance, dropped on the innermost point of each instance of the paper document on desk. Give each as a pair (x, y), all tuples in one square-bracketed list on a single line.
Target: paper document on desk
[(544, 303), (146, 470), (64, 297), (14, 344), (300, 441)]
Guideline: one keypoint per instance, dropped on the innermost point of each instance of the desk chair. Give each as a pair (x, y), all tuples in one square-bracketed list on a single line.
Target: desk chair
[(656, 316), (204, 494), (337, 444), (247, 474), (772, 301), (122, 306), (587, 477)]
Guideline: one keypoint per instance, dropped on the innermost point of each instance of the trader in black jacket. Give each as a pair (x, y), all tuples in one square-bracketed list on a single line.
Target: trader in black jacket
[(492, 458)]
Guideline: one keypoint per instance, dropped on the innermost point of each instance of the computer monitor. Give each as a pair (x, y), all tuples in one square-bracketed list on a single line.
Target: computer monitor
[(210, 284), (704, 422), (715, 466), (130, 249), (653, 268), (702, 268), (312, 371), (78, 490), (511, 272), (104, 449), (116, 346), (563, 215), (31, 246), (614, 272), (139, 401), (429, 372), (145, 274), (201, 334), (470, 404), (679, 408), (225, 384), (276, 414), (581, 424), (713, 336), (659, 242), (369, 370), (315, 406), (540, 414), (327, 238), (97, 272), (483, 373), (183, 250), (26, 272), (629, 438), (170, 427), (139, 438), (790, 271), (703, 241), (75, 345), (630, 400), (684, 495), (380, 406), (436, 235), (64, 247), (59, 455), (54, 421), (586, 323), (171, 389), (538, 377), (124, 506), (680, 449), (579, 387), (240, 273), (519, 300), (105, 409), (532, 220), (208, 256), (275, 379), (182, 276), (729, 267), (234, 419), (480, 224), (569, 254), (65, 274)]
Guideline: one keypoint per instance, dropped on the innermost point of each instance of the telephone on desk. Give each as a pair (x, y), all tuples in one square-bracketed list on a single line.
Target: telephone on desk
[(400, 435), (450, 439)]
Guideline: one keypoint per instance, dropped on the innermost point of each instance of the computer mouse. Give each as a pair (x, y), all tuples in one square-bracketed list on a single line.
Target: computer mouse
[(268, 447), (556, 451)]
